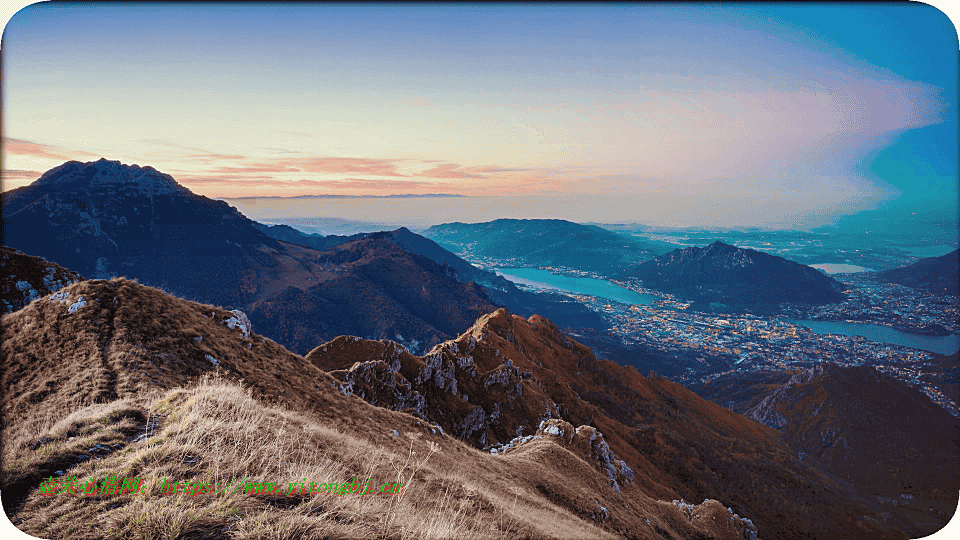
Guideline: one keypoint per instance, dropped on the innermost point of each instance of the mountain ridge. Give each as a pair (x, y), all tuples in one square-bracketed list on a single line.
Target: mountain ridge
[(546, 242), (938, 274), (131, 342)]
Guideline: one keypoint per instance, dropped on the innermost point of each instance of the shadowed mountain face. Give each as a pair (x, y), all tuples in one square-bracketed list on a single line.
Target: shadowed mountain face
[(866, 427), (318, 242), (24, 278), (103, 218), (372, 288), (938, 274), (737, 278), (80, 368), (508, 378), (560, 309), (547, 242)]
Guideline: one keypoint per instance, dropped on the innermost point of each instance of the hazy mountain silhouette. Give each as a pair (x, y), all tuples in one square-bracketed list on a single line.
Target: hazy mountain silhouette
[(547, 242), (938, 274)]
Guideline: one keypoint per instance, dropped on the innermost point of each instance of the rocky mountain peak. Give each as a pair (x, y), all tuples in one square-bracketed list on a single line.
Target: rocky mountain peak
[(105, 173)]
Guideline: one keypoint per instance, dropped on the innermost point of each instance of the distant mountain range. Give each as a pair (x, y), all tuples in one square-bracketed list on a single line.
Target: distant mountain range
[(547, 242), (937, 274), (720, 276), (105, 219), (560, 308)]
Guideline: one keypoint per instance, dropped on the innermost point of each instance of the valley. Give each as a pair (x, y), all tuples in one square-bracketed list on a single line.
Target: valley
[(900, 330), (457, 343)]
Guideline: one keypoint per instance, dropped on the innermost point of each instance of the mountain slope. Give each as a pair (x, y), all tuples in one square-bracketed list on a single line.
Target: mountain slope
[(546, 242), (372, 288), (290, 235), (558, 308), (737, 278), (508, 378), (867, 427), (114, 377), (938, 274), (24, 278)]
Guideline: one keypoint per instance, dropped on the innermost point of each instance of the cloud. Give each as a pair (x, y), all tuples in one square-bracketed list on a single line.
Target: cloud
[(419, 102), (19, 147), (494, 169), (298, 133), (379, 167), (447, 170), (367, 184), (259, 167), (257, 180), (197, 155), (279, 150), (17, 174)]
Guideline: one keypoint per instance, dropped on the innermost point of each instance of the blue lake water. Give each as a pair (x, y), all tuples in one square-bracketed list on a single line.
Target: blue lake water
[(884, 334), (543, 279), (838, 268)]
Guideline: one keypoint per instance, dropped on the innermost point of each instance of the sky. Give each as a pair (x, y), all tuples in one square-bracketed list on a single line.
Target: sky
[(775, 114)]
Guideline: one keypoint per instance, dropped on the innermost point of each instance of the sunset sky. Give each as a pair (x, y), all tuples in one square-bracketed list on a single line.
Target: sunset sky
[(773, 109)]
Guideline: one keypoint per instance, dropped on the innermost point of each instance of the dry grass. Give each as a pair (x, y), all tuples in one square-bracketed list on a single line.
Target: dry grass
[(217, 432), (132, 363)]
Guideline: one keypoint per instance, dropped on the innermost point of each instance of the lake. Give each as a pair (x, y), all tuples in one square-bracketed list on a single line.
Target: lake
[(837, 268), (543, 279), (884, 334)]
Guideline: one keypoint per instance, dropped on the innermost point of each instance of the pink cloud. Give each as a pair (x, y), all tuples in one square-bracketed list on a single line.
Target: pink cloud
[(366, 184), (447, 170), (227, 180), (19, 147), (493, 169), (17, 174), (379, 167), (259, 167)]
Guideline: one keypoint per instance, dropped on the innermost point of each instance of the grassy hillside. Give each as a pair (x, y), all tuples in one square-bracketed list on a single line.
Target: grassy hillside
[(115, 378)]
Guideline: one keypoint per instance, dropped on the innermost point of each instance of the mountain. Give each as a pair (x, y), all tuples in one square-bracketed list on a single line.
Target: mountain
[(290, 235), (500, 291), (103, 218), (508, 380), (113, 377), (24, 278), (938, 274), (371, 288), (869, 428), (106, 219), (546, 242), (736, 278), (560, 309)]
